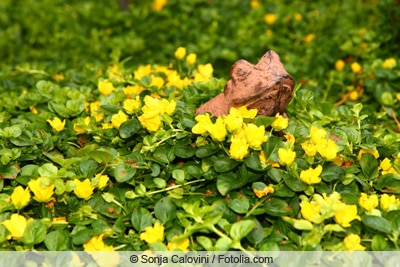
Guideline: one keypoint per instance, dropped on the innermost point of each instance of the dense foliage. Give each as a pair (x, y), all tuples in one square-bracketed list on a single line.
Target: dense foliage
[(101, 148)]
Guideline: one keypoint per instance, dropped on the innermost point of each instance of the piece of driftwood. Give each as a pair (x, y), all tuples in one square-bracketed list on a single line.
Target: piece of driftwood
[(265, 86)]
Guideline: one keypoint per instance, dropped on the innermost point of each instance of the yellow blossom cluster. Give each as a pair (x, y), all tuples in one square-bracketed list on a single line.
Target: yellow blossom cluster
[(242, 135), (318, 142), (386, 167), (323, 207), (153, 110)]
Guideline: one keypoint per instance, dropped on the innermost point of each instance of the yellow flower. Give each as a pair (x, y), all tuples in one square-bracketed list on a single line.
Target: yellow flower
[(133, 90), (366, 150), (132, 105), (105, 87), (290, 139), (298, 16), (328, 149), (247, 113), (178, 244), (309, 38), (317, 135), (385, 164), (239, 147), (142, 71), (354, 95), (233, 121), (58, 77), (95, 111), (83, 189), (254, 3), (355, 67), (118, 119), (339, 65), (42, 189), (255, 135), (286, 156), (217, 130), (81, 126), (389, 63), (96, 243), (156, 81), (311, 176), (191, 59), (388, 202), (386, 167), (167, 106), (16, 226), (20, 197), (347, 214), (204, 73), (57, 124), (158, 5), (368, 202), (113, 72), (280, 123), (60, 220), (311, 211), (309, 148), (33, 109), (270, 18), (203, 124), (151, 120), (180, 53), (266, 190), (102, 181), (153, 234), (352, 242)]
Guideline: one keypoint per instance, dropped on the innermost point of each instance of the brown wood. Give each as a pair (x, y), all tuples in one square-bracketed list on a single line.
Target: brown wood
[(265, 86)]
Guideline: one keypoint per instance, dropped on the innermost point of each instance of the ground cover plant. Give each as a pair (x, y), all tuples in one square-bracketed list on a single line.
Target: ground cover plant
[(101, 148)]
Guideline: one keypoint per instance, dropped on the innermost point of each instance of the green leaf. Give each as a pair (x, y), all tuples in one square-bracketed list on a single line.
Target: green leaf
[(263, 120), (253, 162), (207, 150), (227, 182), (48, 169), (276, 174), (332, 173), (293, 183), (103, 156), (9, 171), (225, 164), (35, 233), (377, 223), (129, 128), (82, 236), (184, 151), (57, 241), (141, 218), (257, 234), (239, 203), (369, 166), (124, 172), (277, 207), (388, 183), (179, 175), (223, 244), (205, 242), (165, 210), (240, 229), (88, 168), (379, 243), (270, 148), (164, 154)]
